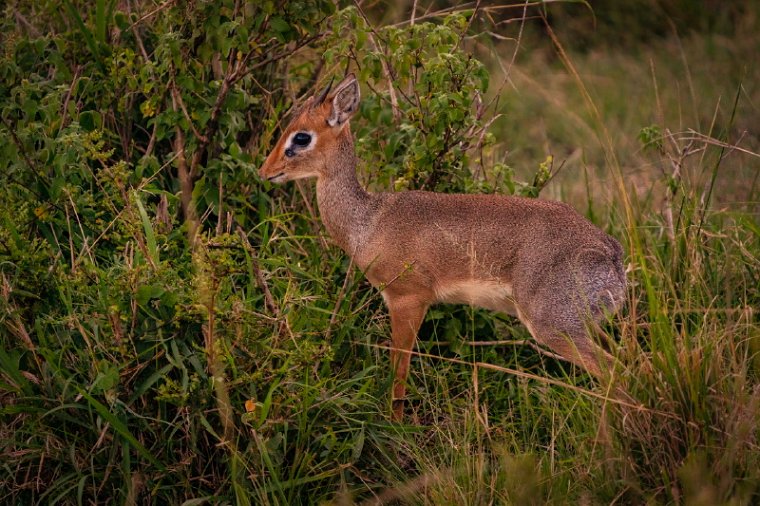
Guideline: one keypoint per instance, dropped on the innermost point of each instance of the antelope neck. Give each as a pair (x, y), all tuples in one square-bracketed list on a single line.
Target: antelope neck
[(346, 208)]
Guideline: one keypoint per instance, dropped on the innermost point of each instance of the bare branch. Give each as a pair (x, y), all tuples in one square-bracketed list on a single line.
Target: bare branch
[(260, 281), (387, 71)]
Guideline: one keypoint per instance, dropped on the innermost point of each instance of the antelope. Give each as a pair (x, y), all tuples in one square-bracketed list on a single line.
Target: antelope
[(535, 259)]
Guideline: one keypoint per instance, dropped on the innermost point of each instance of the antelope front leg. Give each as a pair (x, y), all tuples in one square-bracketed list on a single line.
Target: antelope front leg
[(406, 317)]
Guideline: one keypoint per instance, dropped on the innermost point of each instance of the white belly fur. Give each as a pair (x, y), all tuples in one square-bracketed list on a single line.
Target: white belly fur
[(488, 294)]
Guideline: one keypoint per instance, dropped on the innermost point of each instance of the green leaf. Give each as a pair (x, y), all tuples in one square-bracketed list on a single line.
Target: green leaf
[(145, 293), (90, 120), (121, 20), (106, 379), (358, 445), (150, 237), (278, 24), (100, 21), (10, 366)]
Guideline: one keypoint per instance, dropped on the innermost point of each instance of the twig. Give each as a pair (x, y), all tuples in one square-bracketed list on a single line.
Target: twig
[(314, 220), (340, 298), (467, 27), (672, 186), (185, 185), (469, 6), (436, 14), (221, 206), (715, 142), (71, 238), (385, 286), (260, 281), (65, 110), (503, 342), (20, 147), (85, 246), (312, 80), (519, 39), (280, 55), (508, 342), (136, 33), (176, 95), (527, 375), (387, 71), (152, 140), (158, 9), (32, 30)]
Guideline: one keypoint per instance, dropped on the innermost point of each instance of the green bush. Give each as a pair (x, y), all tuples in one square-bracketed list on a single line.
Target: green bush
[(147, 295)]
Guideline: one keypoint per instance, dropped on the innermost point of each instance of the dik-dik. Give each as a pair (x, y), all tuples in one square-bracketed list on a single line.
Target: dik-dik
[(538, 260)]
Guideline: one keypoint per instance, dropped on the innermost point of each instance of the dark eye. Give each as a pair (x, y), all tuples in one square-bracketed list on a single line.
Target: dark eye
[(301, 139)]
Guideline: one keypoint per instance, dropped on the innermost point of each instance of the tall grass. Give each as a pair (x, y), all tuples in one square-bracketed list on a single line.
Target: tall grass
[(687, 431)]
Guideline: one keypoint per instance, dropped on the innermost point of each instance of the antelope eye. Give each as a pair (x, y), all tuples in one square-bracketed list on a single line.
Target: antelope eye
[(301, 139)]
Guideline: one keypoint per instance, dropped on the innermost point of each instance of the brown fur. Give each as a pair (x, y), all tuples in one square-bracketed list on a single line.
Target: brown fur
[(536, 259)]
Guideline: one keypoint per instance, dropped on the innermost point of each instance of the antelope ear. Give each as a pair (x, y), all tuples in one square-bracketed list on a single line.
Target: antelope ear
[(345, 101)]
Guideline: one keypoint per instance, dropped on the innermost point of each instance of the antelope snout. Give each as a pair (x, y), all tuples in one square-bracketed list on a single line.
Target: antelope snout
[(273, 172)]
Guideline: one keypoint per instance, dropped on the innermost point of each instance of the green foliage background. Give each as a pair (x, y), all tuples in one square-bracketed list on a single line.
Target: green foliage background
[(174, 330)]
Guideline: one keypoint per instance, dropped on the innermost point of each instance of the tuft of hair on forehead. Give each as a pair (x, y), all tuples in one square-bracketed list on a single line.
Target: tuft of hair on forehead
[(295, 111)]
